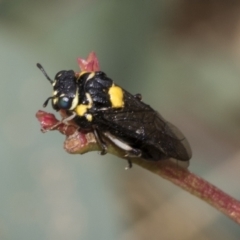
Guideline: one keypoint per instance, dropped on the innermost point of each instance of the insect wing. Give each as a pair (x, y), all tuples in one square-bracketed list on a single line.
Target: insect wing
[(171, 140), (142, 127)]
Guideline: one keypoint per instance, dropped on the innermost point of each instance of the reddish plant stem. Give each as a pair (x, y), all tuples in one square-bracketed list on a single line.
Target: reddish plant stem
[(199, 188), (206, 191)]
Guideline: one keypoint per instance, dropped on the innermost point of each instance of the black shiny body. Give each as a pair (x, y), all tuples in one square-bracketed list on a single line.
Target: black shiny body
[(136, 124), (96, 104), (97, 87)]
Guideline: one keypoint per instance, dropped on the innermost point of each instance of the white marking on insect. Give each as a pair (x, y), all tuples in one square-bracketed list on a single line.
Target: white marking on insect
[(118, 142)]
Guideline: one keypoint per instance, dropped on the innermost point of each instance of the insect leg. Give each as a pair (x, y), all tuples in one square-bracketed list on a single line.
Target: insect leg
[(129, 166), (64, 121), (100, 141)]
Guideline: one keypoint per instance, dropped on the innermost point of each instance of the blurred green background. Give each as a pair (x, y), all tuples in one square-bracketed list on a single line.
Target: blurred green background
[(183, 56)]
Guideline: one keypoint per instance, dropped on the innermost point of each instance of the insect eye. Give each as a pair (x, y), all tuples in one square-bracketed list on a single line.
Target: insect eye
[(64, 103)]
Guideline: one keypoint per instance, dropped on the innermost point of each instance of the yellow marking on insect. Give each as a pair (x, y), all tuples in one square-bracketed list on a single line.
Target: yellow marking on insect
[(91, 75), (116, 96), (81, 109), (55, 93), (55, 100), (75, 101), (81, 73), (89, 117), (89, 98)]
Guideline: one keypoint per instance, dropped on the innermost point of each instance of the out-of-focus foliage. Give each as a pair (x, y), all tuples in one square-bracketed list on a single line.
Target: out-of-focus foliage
[(183, 56)]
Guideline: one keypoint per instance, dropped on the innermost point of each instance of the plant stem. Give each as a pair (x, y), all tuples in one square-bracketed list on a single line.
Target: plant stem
[(198, 187)]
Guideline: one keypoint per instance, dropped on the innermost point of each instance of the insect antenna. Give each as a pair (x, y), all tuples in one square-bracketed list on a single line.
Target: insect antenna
[(46, 102), (44, 72)]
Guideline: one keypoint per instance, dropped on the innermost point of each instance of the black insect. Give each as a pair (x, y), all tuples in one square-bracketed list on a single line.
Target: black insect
[(96, 104)]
